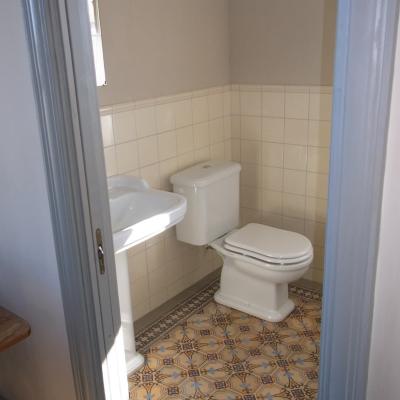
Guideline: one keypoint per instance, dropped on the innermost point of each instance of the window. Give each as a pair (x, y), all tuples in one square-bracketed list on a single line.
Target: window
[(96, 40)]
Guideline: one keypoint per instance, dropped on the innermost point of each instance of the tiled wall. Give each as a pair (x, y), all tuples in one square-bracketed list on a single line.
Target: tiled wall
[(281, 136), (154, 139)]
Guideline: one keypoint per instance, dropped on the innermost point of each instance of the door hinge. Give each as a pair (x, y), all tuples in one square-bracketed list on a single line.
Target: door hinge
[(100, 251)]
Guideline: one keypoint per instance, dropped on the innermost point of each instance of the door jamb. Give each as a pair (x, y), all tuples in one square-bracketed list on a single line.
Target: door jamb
[(366, 38)]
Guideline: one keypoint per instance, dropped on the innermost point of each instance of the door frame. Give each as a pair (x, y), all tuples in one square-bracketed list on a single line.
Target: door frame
[(365, 49), (63, 72)]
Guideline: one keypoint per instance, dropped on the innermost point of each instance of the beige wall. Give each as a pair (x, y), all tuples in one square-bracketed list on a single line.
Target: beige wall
[(282, 42), (385, 349), (156, 47)]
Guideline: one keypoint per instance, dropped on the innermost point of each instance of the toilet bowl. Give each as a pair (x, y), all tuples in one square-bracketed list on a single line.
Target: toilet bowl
[(259, 260), (256, 282)]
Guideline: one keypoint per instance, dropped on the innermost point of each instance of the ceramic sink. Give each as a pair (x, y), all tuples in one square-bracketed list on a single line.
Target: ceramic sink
[(139, 212)]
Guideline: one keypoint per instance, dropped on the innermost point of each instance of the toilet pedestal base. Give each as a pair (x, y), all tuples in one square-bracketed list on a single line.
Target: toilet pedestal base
[(256, 290), (253, 309)]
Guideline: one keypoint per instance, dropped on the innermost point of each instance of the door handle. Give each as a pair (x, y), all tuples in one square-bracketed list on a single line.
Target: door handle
[(100, 251)]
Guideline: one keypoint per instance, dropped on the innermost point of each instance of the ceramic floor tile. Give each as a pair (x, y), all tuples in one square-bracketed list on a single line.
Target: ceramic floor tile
[(203, 350)]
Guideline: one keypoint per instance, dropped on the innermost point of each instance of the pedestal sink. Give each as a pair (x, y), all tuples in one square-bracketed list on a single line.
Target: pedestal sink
[(137, 214)]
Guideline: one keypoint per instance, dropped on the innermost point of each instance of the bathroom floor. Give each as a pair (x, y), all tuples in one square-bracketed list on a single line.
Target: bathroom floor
[(203, 350)]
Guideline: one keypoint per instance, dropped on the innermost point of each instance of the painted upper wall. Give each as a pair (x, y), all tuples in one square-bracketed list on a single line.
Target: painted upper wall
[(282, 42), (155, 48), (39, 367)]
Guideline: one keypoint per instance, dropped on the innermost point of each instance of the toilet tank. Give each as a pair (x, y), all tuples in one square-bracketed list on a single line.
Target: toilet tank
[(212, 193)]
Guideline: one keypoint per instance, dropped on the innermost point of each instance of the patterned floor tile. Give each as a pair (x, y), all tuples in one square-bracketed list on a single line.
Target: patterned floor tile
[(203, 350)]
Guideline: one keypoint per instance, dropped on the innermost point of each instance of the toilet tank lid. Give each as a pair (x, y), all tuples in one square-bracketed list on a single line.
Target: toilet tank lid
[(205, 173)]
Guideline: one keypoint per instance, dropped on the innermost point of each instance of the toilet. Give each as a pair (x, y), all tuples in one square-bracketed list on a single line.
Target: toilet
[(259, 261)]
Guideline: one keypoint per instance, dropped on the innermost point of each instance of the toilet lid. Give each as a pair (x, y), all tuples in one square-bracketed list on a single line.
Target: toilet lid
[(269, 244)]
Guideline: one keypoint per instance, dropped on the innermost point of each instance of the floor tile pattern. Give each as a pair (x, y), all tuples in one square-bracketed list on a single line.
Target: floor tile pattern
[(203, 350)]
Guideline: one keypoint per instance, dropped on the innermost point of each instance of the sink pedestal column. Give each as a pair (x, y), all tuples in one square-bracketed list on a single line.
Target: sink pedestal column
[(133, 359)]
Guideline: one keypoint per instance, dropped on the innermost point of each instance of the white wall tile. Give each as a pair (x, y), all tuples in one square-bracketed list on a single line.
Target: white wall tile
[(294, 181), (251, 175), (202, 154), (294, 205), (148, 151), (236, 128), (227, 104), (165, 117), (157, 283), (200, 109), (272, 202), (217, 151), (236, 149), (167, 169), (296, 131), (250, 197), (319, 133), (318, 159), (296, 105), (127, 157), (295, 157), (293, 224), (270, 219), (167, 145), (273, 104), (107, 130), (273, 129), (145, 121), (151, 173), (227, 128), (251, 128), (321, 106), (251, 151), (216, 130), (228, 150), (248, 215), (139, 289), (185, 141), (110, 161), (316, 209), (155, 256), (272, 178), (235, 102), (183, 113), (216, 105), (186, 160), (250, 103), (201, 135), (137, 265), (315, 231), (317, 185), (272, 154), (124, 126)]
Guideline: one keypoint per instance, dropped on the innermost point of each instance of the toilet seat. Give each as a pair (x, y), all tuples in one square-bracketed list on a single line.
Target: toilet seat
[(268, 244)]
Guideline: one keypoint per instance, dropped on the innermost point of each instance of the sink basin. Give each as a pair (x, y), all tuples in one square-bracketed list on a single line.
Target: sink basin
[(139, 212)]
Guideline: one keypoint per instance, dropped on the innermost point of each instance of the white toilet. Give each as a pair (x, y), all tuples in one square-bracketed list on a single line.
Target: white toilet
[(259, 260)]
